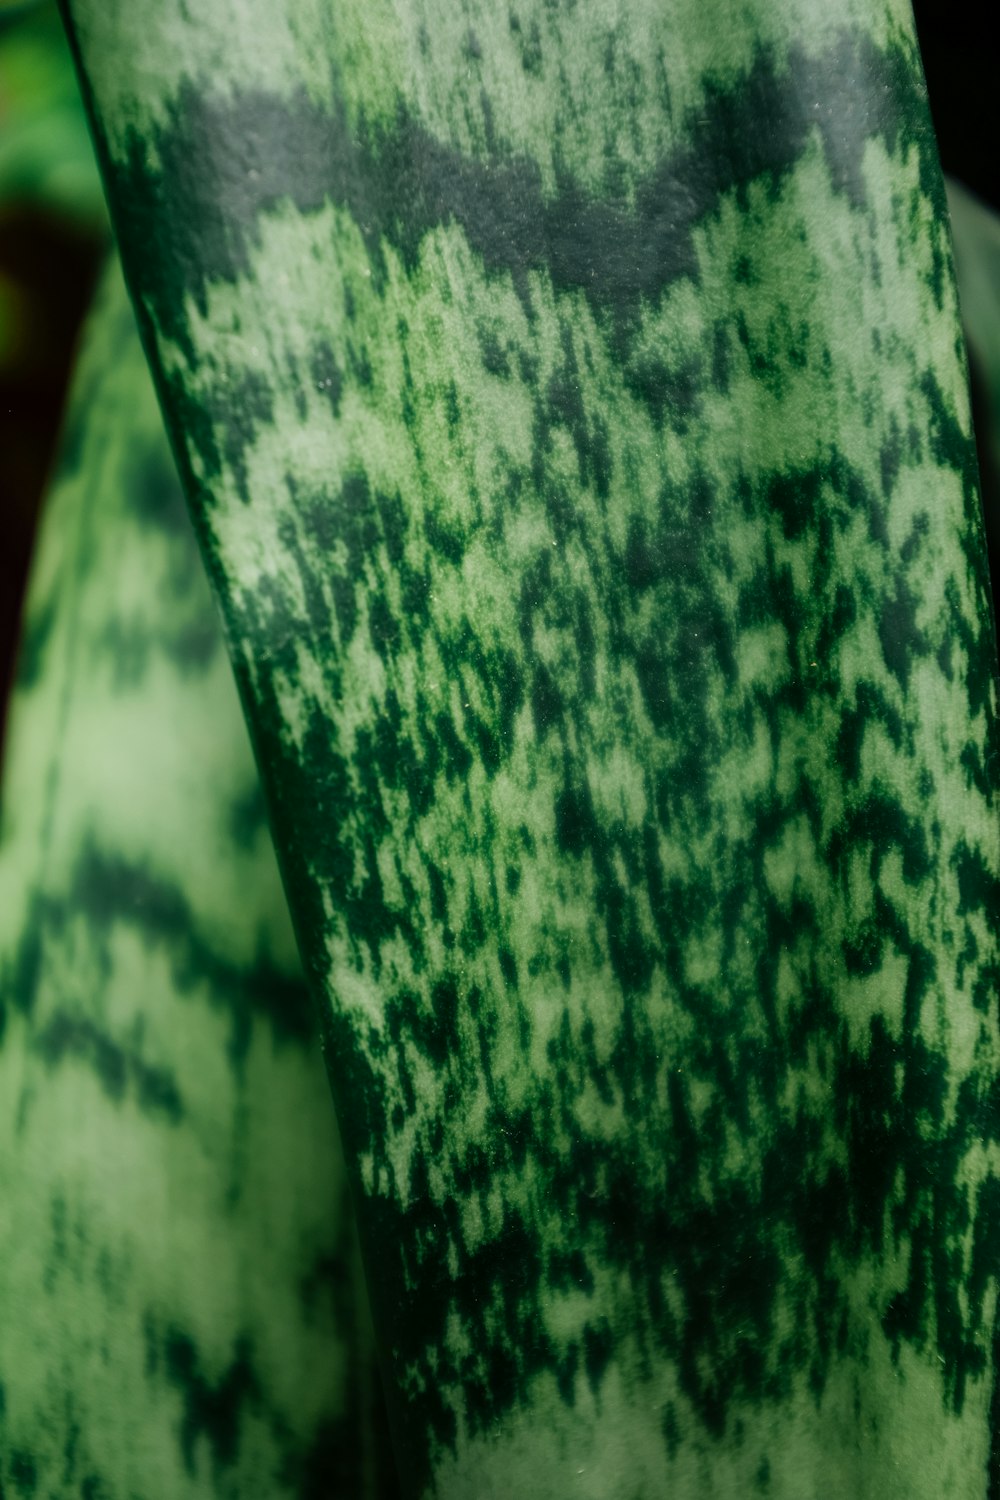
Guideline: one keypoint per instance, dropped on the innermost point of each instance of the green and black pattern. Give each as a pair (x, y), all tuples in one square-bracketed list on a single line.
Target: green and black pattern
[(573, 408), (182, 1312)]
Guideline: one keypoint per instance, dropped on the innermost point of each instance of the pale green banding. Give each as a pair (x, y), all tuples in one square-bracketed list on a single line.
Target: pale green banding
[(183, 1311)]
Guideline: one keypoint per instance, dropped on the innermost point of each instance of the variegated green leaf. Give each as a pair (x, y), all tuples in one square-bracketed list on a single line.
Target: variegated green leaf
[(573, 407), (182, 1312)]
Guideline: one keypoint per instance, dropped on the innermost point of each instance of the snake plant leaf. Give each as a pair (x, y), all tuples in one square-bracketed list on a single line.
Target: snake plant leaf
[(976, 231), (573, 408), (182, 1312)]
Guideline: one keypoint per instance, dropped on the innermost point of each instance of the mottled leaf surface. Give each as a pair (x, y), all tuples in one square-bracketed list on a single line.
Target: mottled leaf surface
[(573, 408), (182, 1312)]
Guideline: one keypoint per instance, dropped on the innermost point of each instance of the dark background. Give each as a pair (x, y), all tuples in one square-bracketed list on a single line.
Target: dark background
[(53, 236)]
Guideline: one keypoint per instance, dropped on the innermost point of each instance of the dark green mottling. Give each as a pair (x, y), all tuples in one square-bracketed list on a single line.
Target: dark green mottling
[(155, 1088), (212, 1411), (603, 569), (110, 892), (400, 182)]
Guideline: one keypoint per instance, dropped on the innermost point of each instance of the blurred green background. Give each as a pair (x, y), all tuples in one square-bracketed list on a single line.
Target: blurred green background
[(53, 236)]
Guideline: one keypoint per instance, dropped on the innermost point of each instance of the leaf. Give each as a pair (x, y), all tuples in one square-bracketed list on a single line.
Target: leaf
[(976, 230), (181, 1293), (572, 406)]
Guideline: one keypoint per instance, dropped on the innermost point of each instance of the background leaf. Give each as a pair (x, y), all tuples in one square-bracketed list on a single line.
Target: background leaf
[(976, 229), (183, 1308)]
